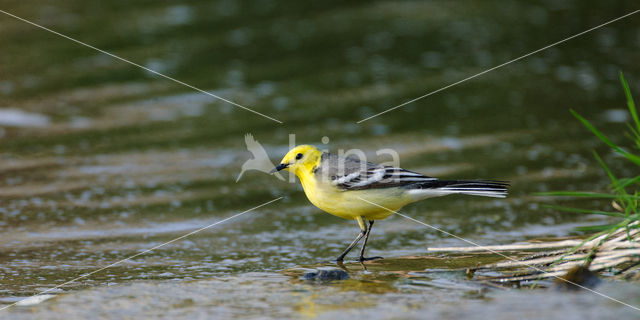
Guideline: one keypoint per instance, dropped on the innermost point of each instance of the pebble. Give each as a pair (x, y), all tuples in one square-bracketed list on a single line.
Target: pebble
[(328, 274)]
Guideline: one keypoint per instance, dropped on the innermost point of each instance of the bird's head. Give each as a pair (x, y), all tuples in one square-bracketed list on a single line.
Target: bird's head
[(302, 158)]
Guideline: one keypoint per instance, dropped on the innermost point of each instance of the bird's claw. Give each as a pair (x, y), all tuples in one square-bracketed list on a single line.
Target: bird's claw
[(362, 259)]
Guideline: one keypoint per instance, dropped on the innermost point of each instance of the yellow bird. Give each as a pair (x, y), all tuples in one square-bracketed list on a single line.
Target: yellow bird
[(364, 191)]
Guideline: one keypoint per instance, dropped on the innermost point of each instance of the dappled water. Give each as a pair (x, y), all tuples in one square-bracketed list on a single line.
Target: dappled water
[(100, 160)]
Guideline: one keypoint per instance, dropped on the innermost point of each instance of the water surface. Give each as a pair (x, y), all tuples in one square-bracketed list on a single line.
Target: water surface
[(100, 160)]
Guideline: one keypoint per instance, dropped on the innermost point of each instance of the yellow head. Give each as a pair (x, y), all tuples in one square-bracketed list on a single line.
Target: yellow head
[(300, 160)]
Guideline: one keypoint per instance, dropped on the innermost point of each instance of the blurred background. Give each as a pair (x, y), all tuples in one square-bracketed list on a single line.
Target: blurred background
[(100, 159)]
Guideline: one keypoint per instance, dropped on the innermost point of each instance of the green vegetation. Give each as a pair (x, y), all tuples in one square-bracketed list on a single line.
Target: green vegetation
[(624, 191)]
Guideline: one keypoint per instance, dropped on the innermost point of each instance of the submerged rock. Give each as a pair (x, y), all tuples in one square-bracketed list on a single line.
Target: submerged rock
[(327, 274), (578, 275)]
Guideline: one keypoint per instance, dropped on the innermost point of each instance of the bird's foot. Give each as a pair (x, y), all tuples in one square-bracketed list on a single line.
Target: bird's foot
[(362, 259)]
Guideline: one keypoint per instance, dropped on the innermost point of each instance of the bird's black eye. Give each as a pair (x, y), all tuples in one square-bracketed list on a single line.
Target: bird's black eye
[(298, 156)]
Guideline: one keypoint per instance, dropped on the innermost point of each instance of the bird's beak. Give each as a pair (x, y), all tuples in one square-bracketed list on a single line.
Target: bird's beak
[(279, 167)]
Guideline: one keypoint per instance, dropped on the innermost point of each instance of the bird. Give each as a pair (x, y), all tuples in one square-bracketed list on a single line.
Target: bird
[(260, 159), (363, 191)]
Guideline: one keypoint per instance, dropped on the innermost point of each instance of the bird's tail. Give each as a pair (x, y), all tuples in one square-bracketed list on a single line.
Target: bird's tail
[(485, 188)]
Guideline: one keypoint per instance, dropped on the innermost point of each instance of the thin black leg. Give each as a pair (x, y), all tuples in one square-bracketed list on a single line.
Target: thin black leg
[(363, 228), (364, 245), (353, 244)]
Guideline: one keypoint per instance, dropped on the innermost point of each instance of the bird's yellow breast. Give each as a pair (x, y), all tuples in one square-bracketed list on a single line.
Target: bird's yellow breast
[(353, 203)]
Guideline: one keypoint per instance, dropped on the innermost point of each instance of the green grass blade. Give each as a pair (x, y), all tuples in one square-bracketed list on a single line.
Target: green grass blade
[(635, 135), (586, 211), (606, 168), (625, 182), (630, 104), (633, 158), (583, 194), (612, 177), (601, 227)]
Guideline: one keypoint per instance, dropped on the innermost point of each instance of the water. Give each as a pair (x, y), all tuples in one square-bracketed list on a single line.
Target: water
[(101, 160)]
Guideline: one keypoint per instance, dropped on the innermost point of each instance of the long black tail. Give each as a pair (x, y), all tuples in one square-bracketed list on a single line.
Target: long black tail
[(485, 188)]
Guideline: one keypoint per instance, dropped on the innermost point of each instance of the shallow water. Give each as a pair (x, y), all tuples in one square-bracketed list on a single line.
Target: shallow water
[(100, 160)]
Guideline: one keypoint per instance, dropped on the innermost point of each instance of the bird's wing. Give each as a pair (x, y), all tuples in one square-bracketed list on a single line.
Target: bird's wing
[(251, 142), (256, 149), (352, 174)]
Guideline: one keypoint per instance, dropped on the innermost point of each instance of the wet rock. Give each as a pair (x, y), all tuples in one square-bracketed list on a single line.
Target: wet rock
[(327, 274), (578, 275)]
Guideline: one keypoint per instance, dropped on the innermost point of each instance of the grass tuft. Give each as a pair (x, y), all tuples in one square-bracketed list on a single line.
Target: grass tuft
[(624, 191)]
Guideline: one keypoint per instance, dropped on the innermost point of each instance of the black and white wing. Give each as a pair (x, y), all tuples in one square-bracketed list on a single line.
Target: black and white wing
[(352, 174)]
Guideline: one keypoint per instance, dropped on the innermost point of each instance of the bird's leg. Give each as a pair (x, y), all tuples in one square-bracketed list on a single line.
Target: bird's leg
[(363, 228), (364, 245)]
